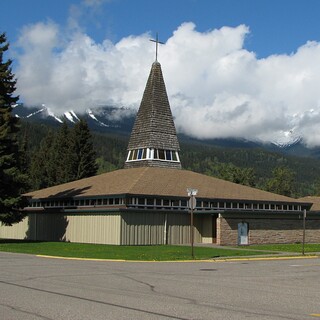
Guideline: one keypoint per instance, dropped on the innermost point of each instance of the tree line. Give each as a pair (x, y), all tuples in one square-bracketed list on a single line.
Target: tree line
[(55, 155), (108, 153), (281, 181), (62, 156)]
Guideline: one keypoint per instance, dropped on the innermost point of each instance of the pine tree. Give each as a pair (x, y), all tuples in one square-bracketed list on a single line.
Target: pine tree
[(42, 168), (282, 182), (84, 157), (62, 155), (12, 181)]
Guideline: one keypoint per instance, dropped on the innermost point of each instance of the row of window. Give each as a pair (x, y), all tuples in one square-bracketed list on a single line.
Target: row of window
[(152, 154), (205, 205), (77, 203), (158, 203)]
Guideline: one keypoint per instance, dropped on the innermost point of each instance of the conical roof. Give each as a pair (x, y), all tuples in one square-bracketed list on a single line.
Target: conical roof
[(154, 126), (153, 141)]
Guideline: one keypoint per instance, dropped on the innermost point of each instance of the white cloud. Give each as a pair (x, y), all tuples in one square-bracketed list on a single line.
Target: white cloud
[(216, 87), (85, 13)]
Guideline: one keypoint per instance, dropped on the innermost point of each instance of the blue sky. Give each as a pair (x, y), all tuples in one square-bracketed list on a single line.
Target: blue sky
[(276, 26), (228, 64)]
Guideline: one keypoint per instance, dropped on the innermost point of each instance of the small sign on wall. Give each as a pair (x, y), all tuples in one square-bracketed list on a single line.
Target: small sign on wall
[(243, 233)]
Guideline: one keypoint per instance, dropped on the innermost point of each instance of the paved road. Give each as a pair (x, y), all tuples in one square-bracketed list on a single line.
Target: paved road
[(40, 288)]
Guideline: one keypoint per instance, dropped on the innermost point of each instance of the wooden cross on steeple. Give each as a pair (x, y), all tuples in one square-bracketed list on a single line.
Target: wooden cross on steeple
[(157, 42)]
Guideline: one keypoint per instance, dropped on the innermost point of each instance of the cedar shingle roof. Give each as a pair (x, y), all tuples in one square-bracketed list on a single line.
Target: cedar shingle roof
[(154, 126), (157, 182)]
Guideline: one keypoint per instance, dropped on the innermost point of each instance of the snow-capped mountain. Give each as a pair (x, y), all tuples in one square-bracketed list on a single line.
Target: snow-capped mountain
[(108, 119), (71, 116), (285, 139), (101, 118)]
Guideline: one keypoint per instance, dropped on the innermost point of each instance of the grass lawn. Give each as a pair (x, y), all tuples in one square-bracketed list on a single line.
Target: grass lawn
[(147, 253), (296, 247), (98, 251)]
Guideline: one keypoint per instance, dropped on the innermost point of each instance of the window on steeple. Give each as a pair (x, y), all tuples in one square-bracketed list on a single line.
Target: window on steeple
[(161, 154), (140, 154), (153, 154), (174, 156)]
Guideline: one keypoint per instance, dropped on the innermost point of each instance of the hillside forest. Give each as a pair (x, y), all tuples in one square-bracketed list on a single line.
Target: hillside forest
[(50, 158)]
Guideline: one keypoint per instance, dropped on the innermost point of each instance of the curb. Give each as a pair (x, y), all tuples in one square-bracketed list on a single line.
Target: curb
[(184, 261), (267, 258), (79, 259)]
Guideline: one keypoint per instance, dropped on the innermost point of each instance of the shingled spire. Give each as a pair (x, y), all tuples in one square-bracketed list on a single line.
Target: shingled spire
[(153, 141)]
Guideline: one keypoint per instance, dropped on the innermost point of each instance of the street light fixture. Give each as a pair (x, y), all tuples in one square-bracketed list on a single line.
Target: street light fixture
[(192, 204)]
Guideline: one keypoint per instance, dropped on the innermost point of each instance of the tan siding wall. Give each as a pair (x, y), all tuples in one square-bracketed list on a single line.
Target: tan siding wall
[(269, 230), (16, 231), (47, 227), (149, 228), (179, 229), (142, 228), (94, 229), (74, 228), (131, 228)]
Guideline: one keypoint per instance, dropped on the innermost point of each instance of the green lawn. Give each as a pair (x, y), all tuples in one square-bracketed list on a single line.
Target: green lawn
[(97, 251), (296, 247), (146, 253)]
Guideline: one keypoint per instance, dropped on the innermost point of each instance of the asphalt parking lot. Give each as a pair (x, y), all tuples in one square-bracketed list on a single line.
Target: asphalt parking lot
[(45, 288)]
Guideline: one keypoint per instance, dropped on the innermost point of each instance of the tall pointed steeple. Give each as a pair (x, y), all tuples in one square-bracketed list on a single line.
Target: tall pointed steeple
[(153, 141)]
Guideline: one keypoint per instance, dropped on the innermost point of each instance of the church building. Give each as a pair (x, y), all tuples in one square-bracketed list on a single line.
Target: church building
[(147, 202)]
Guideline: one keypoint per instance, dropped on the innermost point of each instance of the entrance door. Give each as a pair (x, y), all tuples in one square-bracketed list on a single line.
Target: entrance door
[(242, 233), (214, 228)]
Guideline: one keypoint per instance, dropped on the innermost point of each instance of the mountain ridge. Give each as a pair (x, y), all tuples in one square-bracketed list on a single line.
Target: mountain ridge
[(109, 119)]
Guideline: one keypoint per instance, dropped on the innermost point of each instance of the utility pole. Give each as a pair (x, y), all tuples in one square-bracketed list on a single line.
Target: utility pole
[(192, 204), (304, 230)]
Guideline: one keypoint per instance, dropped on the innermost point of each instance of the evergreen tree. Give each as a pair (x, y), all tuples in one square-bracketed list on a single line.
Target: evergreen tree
[(62, 155), (24, 154), (12, 181), (84, 157), (230, 172), (43, 168), (282, 182), (104, 166)]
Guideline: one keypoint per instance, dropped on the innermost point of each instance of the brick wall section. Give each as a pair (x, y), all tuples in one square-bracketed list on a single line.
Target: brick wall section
[(268, 230)]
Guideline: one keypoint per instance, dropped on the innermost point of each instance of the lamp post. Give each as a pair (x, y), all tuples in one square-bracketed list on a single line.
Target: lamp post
[(304, 229), (192, 204)]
